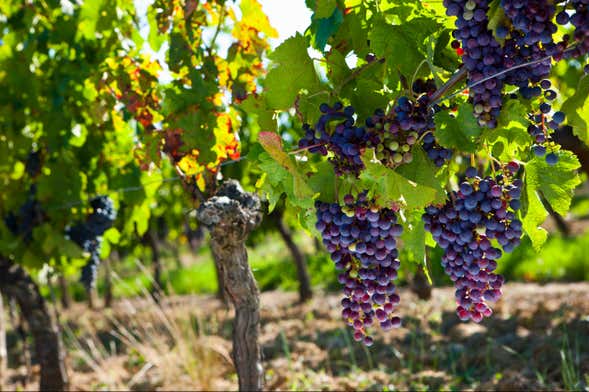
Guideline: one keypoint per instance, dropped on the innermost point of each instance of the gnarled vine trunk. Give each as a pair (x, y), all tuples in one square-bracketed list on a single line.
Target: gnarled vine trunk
[(17, 284), (230, 216), (305, 291), (18, 324)]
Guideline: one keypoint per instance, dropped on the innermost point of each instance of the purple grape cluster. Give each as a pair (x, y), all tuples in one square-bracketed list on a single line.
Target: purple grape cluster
[(29, 216), (529, 39), (533, 18), (392, 135), (362, 242), (482, 57), (481, 210), (542, 125), (413, 120), (33, 164), (336, 132), (88, 235), (579, 18), (409, 123)]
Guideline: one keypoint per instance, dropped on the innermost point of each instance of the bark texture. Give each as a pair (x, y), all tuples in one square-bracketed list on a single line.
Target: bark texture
[(66, 299), (16, 283), (305, 291), (230, 216), (17, 322)]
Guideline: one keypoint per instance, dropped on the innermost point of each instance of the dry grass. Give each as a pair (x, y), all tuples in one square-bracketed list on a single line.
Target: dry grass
[(151, 344)]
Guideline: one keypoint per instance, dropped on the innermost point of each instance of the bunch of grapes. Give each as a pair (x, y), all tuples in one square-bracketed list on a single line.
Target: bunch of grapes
[(482, 57), (33, 163), (392, 135), (528, 40), (481, 210), (88, 235), (533, 18), (29, 216), (579, 17), (542, 125), (362, 241), (410, 122), (344, 139)]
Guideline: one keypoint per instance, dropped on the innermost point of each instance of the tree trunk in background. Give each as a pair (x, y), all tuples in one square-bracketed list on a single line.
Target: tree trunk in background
[(108, 281), (16, 320), (420, 285), (16, 283), (66, 299), (156, 289), (3, 352), (318, 244), (92, 297), (230, 216), (561, 224), (305, 291)]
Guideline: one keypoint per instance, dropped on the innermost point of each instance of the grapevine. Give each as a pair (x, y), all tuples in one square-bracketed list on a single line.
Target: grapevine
[(500, 44), (88, 235)]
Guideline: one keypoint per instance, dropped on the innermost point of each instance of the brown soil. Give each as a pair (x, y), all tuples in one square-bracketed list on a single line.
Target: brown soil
[(538, 339)]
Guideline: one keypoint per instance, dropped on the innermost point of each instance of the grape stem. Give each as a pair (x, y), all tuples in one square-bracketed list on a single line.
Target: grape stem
[(305, 148), (458, 77)]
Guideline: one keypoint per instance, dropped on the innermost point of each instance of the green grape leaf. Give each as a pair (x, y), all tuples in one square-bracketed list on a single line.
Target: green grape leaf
[(322, 181), (390, 187), (338, 71), (139, 219), (534, 214), (298, 187), (323, 28), (443, 56), (556, 183), (413, 236), (401, 45), (458, 132), (366, 95), (422, 171), (154, 38), (576, 109), (88, 18), (293, 71), (277, 180), (254, 105), (324, 8), (352, 36), (510, 139)]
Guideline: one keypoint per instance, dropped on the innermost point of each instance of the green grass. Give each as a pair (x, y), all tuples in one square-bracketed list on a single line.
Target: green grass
[(564, 259)]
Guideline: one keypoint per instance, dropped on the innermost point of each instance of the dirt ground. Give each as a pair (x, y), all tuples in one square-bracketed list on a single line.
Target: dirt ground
[(538, 339)]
